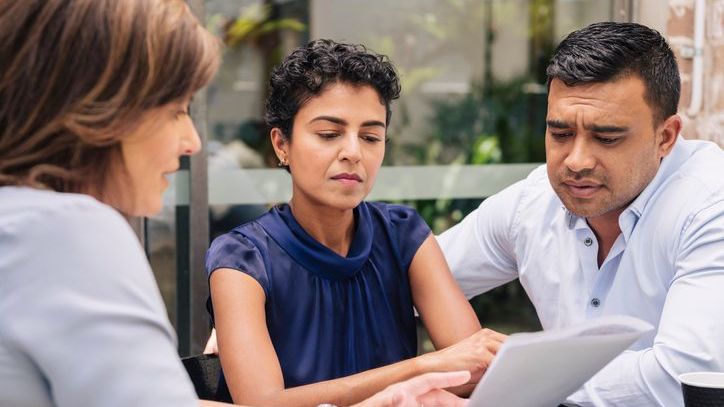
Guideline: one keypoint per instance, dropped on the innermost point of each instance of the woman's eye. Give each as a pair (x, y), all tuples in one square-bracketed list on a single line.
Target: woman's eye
[(328, 136), (372, 138)]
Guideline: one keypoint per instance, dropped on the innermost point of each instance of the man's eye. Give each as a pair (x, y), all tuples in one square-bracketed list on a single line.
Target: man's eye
[(562, 135), (606, 140)]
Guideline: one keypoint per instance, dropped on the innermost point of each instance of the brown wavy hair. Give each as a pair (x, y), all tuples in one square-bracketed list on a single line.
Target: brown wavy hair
[(76, 76)]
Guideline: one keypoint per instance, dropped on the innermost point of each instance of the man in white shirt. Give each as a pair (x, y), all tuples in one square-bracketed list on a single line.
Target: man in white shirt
[(626, 217)]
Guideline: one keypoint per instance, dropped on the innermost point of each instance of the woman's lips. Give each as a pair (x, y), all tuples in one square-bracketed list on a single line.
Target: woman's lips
[(167, 176), (347, 177)]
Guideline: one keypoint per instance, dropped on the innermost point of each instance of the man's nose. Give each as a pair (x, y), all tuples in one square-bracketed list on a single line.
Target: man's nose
[(581, 157)]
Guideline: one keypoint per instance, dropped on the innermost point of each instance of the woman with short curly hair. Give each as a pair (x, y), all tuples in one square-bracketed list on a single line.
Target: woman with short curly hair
[(313, 301)]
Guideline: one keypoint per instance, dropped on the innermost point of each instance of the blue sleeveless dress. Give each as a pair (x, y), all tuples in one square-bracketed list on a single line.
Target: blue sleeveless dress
[(330, 316)]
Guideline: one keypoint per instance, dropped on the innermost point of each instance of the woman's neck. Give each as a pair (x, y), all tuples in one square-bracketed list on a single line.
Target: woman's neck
[(334, 228)]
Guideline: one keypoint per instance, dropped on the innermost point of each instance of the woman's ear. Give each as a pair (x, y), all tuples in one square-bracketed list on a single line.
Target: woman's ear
[(280, 144)]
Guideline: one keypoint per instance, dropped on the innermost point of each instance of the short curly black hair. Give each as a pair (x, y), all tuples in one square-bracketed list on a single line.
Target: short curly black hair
[(308, 70)]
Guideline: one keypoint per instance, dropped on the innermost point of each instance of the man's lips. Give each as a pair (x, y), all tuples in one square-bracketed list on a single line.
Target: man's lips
[(347, 177), (582, 189)]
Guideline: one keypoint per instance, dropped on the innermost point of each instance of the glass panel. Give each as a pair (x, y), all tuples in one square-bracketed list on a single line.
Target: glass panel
[(161, 250), (474, 94), (257, 34)]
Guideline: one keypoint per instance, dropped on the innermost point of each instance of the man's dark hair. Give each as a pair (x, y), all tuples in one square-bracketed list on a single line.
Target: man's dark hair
[(309, 70), (607, 51)]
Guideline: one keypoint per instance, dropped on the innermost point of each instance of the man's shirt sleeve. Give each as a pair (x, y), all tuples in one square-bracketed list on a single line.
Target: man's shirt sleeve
[(479, 249)]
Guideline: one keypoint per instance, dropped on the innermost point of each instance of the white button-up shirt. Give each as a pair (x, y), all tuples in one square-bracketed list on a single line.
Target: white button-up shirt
[(666, 267)]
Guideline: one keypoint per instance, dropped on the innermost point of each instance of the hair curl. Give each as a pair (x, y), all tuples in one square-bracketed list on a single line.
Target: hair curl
[(309, 70)]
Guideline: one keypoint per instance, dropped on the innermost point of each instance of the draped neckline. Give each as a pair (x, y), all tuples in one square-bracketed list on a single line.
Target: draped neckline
[(314, 256)]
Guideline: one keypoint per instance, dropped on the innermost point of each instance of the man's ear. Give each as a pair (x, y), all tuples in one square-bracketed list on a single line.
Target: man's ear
[(666, 134)]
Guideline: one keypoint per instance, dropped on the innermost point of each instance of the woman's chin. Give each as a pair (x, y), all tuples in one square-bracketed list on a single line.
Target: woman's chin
[(150, 210), (347, 205), (141, 209)]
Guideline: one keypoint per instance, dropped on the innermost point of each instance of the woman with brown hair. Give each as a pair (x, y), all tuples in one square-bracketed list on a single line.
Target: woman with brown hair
[(94, 99)]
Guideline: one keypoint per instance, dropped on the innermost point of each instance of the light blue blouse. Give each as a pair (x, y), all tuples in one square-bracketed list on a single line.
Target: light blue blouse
[(82, 322)]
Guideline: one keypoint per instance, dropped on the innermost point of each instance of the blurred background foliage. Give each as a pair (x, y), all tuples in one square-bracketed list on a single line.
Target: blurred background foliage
[(497, 121), (473, 79)]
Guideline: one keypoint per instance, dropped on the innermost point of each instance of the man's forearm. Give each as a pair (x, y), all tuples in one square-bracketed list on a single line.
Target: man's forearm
[(635, 378)]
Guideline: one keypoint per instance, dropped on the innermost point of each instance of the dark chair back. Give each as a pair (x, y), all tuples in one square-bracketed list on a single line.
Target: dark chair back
[(207, 377)]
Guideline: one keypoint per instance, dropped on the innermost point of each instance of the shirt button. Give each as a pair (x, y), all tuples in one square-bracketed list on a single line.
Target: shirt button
[(588, 241), (595, 302)]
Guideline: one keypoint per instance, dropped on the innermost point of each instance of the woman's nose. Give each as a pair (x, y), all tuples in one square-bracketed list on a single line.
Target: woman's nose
[(350, 148), (191, 142)]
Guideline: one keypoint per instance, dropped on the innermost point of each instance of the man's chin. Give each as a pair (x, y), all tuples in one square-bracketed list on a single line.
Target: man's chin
[(590, 210), (584, 209), (584, 213)]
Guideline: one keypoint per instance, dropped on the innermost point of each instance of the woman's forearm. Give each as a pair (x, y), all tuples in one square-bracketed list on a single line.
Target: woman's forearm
[(346, 390)]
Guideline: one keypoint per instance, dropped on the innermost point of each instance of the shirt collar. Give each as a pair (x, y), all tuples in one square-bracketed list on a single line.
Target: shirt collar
[(669, 165), (574, 221)]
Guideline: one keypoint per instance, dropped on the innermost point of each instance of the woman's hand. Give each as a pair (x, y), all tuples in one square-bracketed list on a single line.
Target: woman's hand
[(423, 390), (474, 354), (450, 320)]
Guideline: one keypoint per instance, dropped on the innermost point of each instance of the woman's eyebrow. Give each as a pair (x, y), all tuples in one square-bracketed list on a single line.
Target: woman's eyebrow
[(373, 123), (335, 120), (342, 122)]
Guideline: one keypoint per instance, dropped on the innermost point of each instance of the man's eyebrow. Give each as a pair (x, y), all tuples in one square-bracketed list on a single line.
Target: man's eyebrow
[(606, 129), (557, 124)]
